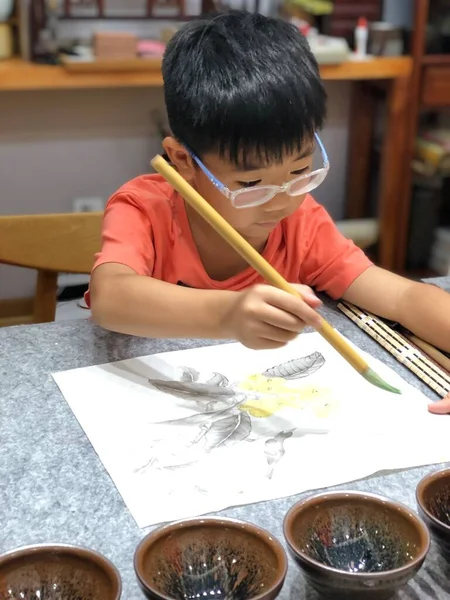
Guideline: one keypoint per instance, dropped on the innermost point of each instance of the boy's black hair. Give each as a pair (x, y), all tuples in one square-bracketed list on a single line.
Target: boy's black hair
[(242, 84)]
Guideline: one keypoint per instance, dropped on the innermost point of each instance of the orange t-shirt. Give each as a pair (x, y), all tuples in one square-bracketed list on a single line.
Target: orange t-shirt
[(146, 228)]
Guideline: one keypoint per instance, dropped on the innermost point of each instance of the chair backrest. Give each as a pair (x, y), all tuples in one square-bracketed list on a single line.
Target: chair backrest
[(51, 244)]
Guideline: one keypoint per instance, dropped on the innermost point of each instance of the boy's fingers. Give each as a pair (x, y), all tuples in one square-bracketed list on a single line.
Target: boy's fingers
[(281, 319), (265, 344), (276, 334), (305, 309), (308, 295), (442, 407), (308, 315), (300, 308)]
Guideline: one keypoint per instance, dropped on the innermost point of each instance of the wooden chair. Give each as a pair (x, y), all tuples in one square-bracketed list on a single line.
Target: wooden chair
[(51, 244)]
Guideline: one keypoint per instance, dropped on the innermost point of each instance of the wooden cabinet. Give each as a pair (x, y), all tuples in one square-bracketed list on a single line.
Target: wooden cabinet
[(435, 88), (346, 13), (430, 88)]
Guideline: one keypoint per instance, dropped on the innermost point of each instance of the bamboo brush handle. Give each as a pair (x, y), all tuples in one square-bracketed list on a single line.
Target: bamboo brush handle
[(253, 257)]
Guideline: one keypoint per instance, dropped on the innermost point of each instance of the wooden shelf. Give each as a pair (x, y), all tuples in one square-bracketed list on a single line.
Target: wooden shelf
[(18, 75), (105, 66), (173, 17), (436, 59)]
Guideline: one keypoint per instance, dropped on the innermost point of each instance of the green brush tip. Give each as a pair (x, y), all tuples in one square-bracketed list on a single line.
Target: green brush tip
[(375, 379)]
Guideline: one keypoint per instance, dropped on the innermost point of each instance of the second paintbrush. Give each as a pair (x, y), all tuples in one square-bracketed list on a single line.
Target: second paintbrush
[(266, 270)]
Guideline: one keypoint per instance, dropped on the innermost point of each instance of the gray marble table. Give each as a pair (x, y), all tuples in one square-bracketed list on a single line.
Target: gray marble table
[(53, 487)]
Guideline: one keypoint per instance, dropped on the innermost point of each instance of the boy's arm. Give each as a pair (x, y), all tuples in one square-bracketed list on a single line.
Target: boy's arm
[(125, 302), (423, 309), (260, 317)]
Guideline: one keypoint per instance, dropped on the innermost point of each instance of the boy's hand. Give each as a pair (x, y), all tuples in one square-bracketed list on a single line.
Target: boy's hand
[(265, 317), (442, 407)]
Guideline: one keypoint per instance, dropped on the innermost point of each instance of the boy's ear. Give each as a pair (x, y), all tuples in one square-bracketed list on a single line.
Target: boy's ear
[(179, 157)]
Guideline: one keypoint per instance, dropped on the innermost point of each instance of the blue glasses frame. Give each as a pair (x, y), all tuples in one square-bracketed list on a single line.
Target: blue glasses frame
[(312, 181)]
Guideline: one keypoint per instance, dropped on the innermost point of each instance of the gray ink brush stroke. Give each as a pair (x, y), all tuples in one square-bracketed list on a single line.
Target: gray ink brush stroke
[(298, 367), (191, 389), (189, 374), (202, 417), (274, 450), (228, 431), (221, 423), (218, 379), (226, 428)]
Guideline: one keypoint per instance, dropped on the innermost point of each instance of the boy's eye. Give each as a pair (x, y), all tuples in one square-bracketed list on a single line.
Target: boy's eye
[(300, 171), (247, 184)]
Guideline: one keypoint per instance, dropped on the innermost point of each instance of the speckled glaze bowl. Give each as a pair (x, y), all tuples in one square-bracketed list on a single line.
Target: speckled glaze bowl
[(210, 558), (352, 545), (433, 502), (49, 572)]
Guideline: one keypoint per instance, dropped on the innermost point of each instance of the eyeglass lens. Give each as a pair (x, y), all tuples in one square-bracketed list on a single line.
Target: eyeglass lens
[(303, 186), (260, 194), (252, 197)]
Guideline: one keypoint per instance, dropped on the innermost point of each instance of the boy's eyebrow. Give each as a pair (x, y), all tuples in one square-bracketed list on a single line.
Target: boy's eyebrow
[(306, 153), (254, 167)]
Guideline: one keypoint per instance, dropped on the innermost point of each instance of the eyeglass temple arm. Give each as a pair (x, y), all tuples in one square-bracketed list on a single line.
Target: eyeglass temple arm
[(218, 184), (322, 149)]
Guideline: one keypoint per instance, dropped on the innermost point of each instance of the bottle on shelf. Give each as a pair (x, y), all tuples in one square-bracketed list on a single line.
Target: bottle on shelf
[(361, 38)]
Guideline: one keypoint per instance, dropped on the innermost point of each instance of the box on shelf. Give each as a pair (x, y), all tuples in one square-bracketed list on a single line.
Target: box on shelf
[(115, 45)]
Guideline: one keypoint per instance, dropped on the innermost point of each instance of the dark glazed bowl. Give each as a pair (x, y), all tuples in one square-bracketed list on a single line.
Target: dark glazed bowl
[(210, 558), (51, 572), (433, 502), (354, 545)]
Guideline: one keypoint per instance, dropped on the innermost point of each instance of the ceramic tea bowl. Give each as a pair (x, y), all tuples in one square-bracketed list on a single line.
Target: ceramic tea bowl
[(210, 558), (353, 545), (51, 572), (433, 502)]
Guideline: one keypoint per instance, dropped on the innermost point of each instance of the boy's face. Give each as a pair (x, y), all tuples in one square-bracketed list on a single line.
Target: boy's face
[(256, 222)]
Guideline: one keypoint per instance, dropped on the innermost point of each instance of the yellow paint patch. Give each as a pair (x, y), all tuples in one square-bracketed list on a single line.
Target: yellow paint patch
[(273, 394)]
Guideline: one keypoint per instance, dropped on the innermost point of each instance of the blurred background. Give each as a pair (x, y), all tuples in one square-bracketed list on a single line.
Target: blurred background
[(81, 112)]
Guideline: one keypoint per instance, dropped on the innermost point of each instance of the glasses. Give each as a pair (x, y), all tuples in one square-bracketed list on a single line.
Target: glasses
[(260, 194)]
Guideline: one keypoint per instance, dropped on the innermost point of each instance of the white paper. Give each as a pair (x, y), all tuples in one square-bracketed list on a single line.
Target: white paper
[(247, 437)]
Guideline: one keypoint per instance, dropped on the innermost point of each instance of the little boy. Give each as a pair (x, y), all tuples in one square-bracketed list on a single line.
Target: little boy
[(245, 102)]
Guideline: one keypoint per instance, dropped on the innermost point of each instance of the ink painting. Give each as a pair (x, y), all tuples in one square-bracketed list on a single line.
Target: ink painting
[(193, 432)]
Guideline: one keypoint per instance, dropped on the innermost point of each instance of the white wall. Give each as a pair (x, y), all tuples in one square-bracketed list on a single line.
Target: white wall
[(56, 146), (399, 12)]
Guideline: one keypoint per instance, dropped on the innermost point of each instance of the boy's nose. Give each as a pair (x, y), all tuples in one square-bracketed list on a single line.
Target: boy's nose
[(277, 204)]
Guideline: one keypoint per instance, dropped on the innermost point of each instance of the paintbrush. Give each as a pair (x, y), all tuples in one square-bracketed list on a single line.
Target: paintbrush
[(266, 270)]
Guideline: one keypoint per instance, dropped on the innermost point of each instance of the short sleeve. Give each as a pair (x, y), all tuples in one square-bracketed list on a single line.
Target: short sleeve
[(126, 235), (331, 262)]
